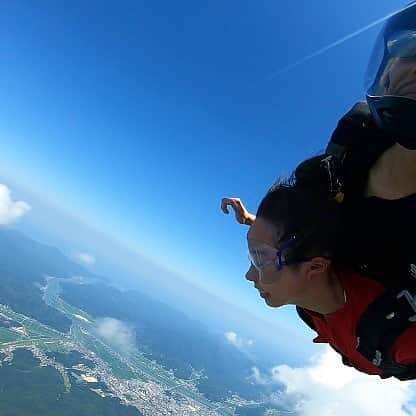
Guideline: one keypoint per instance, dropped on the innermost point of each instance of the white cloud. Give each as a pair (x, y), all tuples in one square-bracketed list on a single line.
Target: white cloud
[(257, 378), (117, 333), (85, 258), (327, 388), (237, 341), (10, 211)]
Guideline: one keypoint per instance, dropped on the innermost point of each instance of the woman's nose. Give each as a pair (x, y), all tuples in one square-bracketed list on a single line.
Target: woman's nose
[(252, 274)]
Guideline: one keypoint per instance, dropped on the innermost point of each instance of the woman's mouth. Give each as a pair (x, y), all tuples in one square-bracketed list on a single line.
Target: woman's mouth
[(264, 295)]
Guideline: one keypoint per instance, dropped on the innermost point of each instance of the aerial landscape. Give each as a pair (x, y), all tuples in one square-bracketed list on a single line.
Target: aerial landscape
[(97, 356)]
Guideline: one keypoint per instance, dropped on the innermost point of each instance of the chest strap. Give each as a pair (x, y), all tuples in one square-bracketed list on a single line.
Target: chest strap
[(380, 325)]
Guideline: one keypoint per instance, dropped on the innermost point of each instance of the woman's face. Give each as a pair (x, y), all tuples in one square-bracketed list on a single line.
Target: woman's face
[(276, 287)]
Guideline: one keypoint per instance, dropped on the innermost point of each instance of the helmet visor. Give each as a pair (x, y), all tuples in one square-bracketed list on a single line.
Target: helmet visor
[(395, 75), (392, 67)]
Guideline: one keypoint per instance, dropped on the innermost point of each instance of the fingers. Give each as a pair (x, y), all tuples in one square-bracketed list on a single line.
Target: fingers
[(242, 216), (224, 203), (235, 204)]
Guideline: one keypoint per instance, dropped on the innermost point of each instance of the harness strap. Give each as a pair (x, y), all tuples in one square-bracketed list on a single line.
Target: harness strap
[(381, 324), (305, 317)]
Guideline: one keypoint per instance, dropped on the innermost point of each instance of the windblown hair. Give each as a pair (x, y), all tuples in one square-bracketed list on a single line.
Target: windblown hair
[(303, 206), (321, 174)]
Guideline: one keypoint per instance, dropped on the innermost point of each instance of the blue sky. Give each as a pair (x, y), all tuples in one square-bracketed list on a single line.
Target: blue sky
[(138, 117)]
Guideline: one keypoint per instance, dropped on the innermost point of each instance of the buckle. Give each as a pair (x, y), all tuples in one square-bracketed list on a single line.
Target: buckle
[(378, 359), (411, 300)]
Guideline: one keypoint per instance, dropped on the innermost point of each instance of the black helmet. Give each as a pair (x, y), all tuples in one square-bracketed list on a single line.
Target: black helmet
[(391, 77)]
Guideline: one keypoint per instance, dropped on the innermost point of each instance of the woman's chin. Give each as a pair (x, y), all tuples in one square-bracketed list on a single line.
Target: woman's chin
[(273, 303), (269, 300)]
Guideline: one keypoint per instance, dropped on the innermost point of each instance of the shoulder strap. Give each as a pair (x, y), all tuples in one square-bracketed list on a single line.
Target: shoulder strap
[(381, 324)]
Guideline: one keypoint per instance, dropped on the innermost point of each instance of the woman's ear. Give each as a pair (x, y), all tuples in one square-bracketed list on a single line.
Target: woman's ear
[(317, 266)]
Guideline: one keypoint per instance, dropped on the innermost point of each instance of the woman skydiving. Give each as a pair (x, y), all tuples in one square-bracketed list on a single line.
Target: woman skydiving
[(339, 239)]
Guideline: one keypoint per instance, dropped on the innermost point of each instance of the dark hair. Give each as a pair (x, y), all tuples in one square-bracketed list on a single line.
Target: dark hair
[(321, 174), (302, 207)]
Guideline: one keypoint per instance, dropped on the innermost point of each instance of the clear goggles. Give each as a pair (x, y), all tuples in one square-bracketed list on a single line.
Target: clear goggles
[(262, 256)]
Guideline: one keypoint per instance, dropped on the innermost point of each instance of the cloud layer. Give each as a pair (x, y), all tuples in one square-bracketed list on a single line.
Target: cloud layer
[(326, 387), (10, 211), (237, 341), (116, 333), (85, 258)]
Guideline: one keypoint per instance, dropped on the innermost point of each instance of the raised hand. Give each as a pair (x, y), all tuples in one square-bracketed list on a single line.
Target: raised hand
[(241, 214)]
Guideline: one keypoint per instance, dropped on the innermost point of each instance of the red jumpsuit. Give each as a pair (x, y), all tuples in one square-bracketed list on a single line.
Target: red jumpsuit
[(338, 328)]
